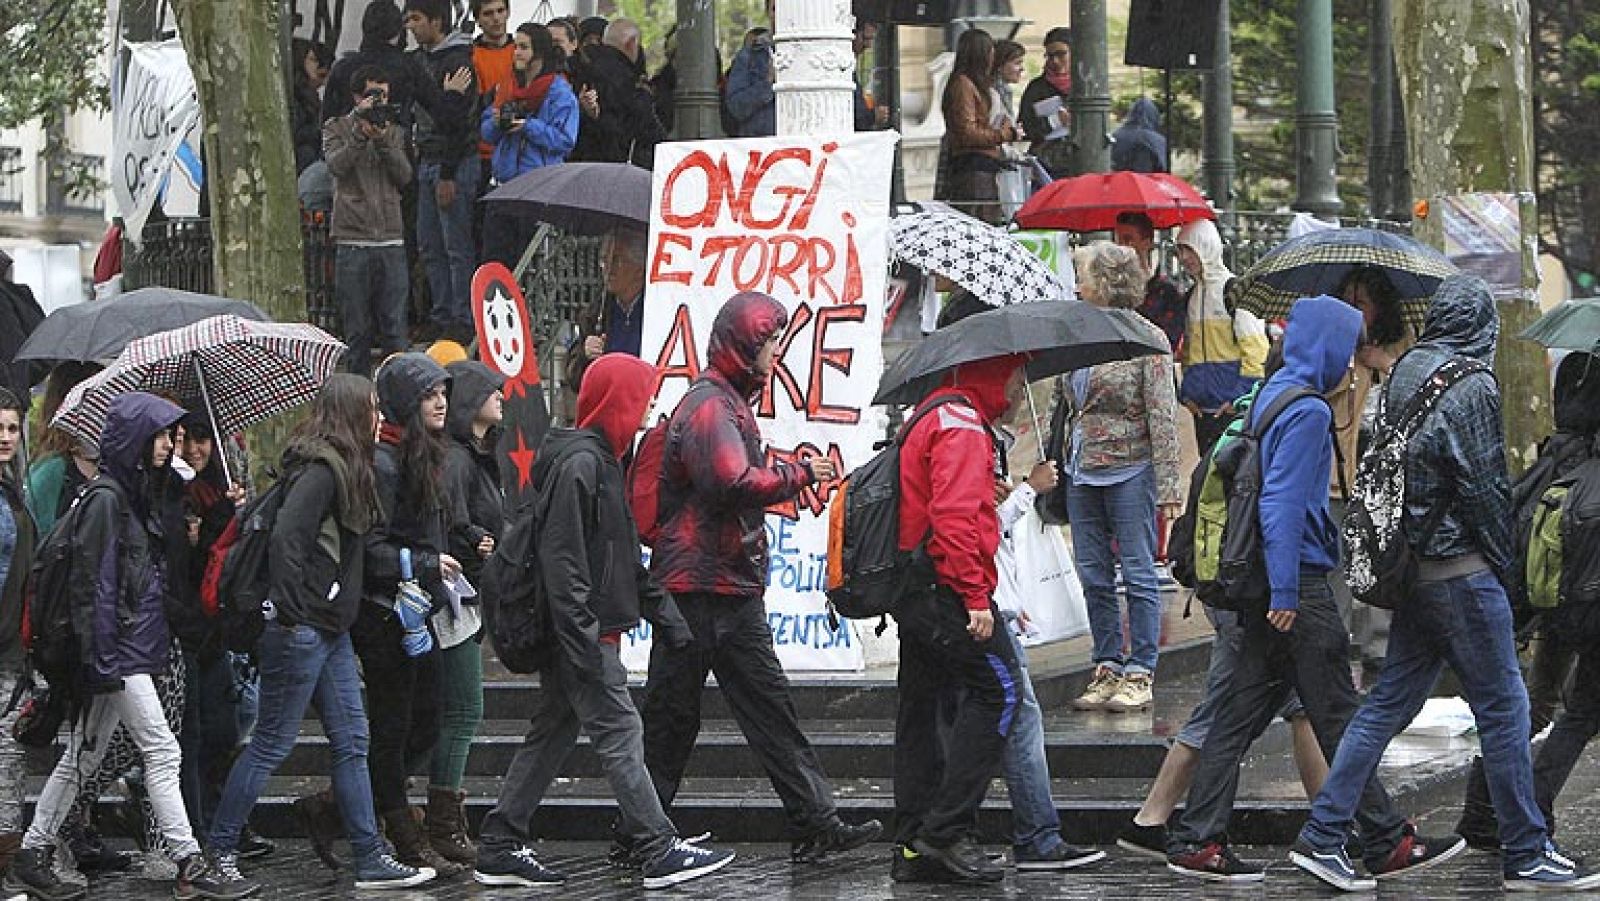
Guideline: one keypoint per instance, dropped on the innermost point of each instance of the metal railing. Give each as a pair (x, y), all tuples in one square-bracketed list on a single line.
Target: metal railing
[(11, 171)]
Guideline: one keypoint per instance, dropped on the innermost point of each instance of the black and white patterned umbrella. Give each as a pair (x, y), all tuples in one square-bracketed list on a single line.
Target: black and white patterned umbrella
[(241, 372), (975, 255)]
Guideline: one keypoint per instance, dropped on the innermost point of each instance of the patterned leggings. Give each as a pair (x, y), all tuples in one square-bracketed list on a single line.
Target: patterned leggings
[(122, 755)]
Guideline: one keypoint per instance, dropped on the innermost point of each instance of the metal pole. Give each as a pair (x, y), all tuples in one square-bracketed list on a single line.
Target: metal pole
[(697, 116), (1315, 125), (1380, 43), (1091, 88), (1218, 167), (889, 46)]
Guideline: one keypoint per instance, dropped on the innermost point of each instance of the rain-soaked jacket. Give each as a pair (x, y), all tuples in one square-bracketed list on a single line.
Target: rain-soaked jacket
[(948, 466), (1138, 145), (119, 570), (471, 471), (716, 484), (1458, 455), (1226, 352)]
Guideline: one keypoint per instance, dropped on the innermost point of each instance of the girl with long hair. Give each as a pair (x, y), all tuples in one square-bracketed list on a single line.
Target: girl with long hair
[(18, 536), (63, 463), (974, 134)]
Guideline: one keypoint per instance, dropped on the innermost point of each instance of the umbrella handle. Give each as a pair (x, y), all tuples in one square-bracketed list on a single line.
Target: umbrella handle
[(216, 434), (1033, 411)]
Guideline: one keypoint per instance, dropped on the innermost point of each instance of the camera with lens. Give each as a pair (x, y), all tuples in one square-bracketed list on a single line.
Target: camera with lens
[(510, 112), (378, 115)]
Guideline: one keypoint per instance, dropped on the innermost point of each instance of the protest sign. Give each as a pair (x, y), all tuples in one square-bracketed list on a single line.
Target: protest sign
[(804, 219), (154, 115)]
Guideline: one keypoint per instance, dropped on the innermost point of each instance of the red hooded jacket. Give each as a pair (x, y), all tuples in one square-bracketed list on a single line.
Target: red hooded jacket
[(948, 466), (716, 486), (615, 394)]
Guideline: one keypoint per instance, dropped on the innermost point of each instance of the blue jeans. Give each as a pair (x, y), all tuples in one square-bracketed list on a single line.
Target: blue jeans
[(1124, 513), (1035, 823), (1465, 622), (444, 237), (301, 666), (210, 730), (372, 286)]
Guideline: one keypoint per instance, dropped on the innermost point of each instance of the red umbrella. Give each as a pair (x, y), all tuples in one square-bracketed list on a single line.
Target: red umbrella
[(1090, 203)]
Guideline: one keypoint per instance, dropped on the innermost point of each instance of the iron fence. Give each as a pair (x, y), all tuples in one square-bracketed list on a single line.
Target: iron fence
[(11, 172)]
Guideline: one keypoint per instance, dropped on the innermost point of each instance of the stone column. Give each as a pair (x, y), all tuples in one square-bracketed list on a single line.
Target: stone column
[(1091, 88), (1316, 128), (697, 116), (1218, 167), (1380, 44), (812, 58)]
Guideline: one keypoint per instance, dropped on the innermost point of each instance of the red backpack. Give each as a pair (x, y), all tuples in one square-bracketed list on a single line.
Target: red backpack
[(649, 468)]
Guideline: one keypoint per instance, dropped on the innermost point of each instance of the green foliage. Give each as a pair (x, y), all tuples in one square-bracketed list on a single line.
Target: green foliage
[(657, 18), (52, 51)]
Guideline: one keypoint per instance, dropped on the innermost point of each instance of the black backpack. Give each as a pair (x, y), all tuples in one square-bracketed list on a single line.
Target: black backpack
[(868, 573), (1241, 584), (1577, 617), (244, 578), (1559, 454)]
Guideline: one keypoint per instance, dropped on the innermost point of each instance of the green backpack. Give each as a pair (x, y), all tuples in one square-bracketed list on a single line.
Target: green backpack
[(1544, 547), (1194, 545)]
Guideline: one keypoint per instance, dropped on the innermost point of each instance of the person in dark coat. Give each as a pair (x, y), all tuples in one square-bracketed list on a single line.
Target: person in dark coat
[(118, 583), (20, 314), (310, 61), (711, 553), (1053, 84), (626, 128), (597, 588), (1139, 145), (381, 46), (18, 537)]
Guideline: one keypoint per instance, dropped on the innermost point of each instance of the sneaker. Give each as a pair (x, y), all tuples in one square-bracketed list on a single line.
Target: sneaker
[(1551, 871), (33, 872), (834, 840), (906, 865), (254, 847), (963, 861), (381, 871), (1133, 694), (1146, 841), (1332, 866), (682, 862), (1062, 857), (1416, 853), (1101, 688), (1215, 863), (216, 877), (513, 864)]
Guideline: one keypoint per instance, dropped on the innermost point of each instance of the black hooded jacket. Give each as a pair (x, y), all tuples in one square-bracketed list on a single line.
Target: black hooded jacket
[(627, 130), (407, 522), (471, 472), (409, 83)]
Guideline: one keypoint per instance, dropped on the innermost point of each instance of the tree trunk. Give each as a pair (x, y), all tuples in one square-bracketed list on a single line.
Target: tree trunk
[(233, 50), (1465, 68)]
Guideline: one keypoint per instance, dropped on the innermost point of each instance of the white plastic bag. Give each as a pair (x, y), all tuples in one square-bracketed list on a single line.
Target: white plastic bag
[(1048, 582)]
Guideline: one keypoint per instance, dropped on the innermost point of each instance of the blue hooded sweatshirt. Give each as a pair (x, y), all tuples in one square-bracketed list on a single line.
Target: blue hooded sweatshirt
[(1297, 451)]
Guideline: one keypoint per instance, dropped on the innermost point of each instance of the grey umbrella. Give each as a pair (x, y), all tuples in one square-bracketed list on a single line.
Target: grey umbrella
[(585, 198), (1572, 325), (1059, 336), (99, 330)]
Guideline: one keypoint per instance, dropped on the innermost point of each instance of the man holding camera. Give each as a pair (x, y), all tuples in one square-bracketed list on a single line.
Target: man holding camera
[(366, 154)]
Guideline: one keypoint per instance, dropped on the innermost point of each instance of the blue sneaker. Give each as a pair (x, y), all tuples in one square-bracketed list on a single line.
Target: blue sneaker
[(511, 864), (1550, 871), (382, 871), (683, 862), (1332, 866)]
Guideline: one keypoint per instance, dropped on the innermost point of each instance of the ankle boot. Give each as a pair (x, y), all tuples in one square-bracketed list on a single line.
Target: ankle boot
[(411, 847), (447, 825)]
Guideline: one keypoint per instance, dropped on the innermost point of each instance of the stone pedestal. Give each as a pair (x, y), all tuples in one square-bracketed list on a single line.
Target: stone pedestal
[(813, 61)]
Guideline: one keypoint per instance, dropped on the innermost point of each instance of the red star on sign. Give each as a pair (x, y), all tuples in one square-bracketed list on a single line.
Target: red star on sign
[(522, 458)]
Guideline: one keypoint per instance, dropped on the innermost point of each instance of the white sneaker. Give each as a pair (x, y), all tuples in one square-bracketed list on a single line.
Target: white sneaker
[(1133, 694), (1101, 689)]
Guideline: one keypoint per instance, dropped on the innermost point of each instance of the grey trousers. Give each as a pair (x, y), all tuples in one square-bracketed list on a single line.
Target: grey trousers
[(605, 711)]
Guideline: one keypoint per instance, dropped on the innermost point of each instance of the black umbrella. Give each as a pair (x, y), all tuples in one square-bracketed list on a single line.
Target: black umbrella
[(1059, 336), (99, 330), (585, 198)]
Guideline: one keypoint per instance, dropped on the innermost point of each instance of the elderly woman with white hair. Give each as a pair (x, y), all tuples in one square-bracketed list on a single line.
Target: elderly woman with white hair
[(1122, 458)]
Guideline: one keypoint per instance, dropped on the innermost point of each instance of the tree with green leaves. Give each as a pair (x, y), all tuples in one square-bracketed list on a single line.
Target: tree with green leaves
[(1566, 54), (53, 52)]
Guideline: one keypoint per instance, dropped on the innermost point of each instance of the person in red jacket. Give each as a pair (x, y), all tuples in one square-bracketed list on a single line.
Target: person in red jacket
[(711, 554), (949, 647)]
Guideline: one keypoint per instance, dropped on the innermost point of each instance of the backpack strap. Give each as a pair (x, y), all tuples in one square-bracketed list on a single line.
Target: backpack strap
[(1417, 409), (1256, 426)]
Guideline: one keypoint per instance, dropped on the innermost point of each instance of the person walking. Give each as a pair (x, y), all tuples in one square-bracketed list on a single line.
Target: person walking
[(316, 556), (1295, 640), (125, 644), (18, 537), (1459, 612), (1123, 462), (711, 554)]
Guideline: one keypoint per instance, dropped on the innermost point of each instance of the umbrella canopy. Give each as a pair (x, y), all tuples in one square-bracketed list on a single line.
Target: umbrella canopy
[(1091, 203), (99, 330), (585, 198), (975, 255), (242, 371), (1570, 325), (1317, 263), (1060, 336)]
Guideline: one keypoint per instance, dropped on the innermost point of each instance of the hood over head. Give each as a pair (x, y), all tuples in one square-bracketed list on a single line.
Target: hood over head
[(381, 24), (743, 324), (985, 382), (1202, 237), (471, 383), (402, 381), (614, 396), (132, 421), (1143, 114), (1577, 393), (1320, 341), (1462, 318)]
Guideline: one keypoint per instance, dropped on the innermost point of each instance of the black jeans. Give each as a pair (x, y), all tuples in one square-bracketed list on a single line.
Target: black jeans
[(1313, 658), (400, 704), (733, 640), (1575, 728), (942, 774)]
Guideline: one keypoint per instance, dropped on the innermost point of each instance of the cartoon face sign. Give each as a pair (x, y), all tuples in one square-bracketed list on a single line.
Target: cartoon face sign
[(504, 336)]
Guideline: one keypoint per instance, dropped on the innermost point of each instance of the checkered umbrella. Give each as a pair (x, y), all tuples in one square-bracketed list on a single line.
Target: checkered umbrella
[(241, 371), (977, 256), (1317, 263)]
